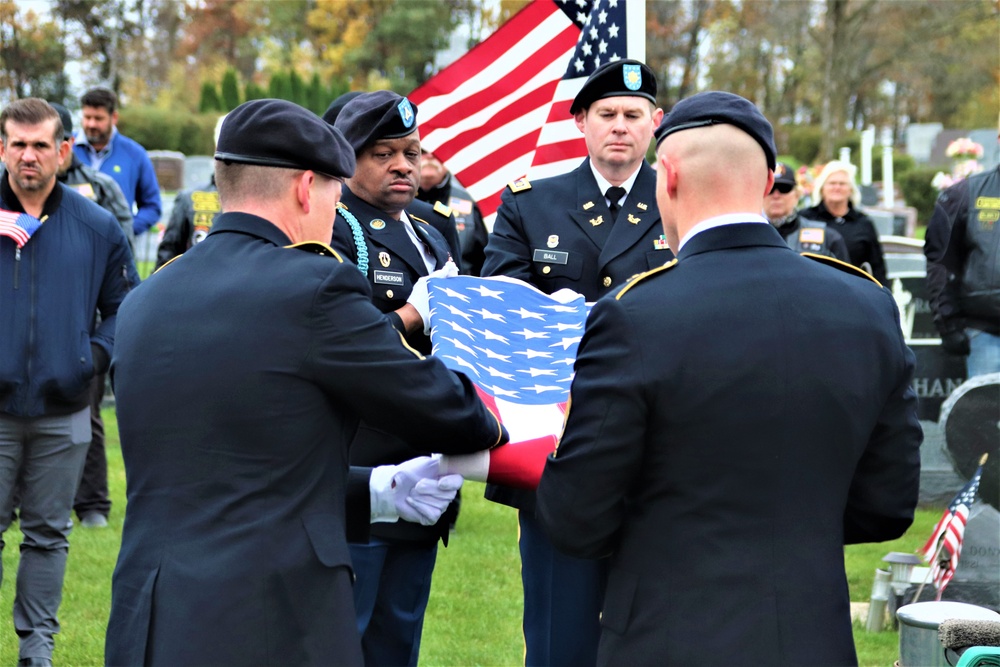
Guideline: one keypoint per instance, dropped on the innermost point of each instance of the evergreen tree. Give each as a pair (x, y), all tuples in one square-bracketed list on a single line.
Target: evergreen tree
[(209, 101), (230, 90), (253, 92), (315, 95), (280, 88), (297, 89)]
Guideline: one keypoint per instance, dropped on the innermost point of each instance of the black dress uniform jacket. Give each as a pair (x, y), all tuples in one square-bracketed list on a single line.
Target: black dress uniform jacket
[(262, 360), (557, 233), (736, 419), (394, 265)]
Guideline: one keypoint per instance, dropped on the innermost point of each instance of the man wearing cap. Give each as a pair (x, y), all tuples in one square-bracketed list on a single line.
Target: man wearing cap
[(589, 230), (738, 416), (801, 234), (384, 233), (240, 499), (436, 215), (93, 501)]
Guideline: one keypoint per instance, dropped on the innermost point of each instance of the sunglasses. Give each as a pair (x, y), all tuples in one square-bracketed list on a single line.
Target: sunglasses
[(783, 188)]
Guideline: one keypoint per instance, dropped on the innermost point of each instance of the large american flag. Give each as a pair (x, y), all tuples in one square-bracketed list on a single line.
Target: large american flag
[(517, 344), (502, 110), (945, 544), (18, 226)]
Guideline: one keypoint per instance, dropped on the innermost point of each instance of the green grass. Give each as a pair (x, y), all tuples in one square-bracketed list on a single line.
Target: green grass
[(474, 615)]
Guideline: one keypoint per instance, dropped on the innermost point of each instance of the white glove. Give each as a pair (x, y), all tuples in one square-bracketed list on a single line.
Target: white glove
[(419, 298), (413, 491)]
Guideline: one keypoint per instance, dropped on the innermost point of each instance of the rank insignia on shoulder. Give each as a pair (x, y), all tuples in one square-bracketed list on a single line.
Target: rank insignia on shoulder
[(843, 266), (645, 274), (442, 209), (520, 185), (316, 248), (342, 205)]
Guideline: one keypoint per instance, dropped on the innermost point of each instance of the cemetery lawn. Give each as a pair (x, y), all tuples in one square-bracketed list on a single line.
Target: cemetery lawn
[(474, 613)]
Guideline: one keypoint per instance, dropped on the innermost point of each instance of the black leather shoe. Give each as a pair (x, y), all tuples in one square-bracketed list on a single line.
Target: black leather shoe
[(34, 662)]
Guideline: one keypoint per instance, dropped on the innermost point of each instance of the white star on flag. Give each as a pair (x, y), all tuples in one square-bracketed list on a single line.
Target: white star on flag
[(518, 351)]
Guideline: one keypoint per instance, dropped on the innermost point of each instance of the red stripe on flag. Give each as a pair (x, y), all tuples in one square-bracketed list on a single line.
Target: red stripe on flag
[(487, 51), (560, 150), (489, 163)]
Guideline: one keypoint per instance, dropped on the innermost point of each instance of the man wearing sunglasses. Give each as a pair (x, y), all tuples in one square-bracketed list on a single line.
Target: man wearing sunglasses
[(801, 234)]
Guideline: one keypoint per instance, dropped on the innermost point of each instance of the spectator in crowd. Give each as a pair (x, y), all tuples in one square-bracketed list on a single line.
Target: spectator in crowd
[(104, 148), (737, 417), (963, 270), (439, 188), (800, 234), (383, 230), (588, 231), (192, 216), (63, 258), (93, 501), (836, 198), (240, 500)]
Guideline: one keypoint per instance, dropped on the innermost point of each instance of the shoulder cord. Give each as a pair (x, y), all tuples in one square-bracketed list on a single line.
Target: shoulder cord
[(359, 239)]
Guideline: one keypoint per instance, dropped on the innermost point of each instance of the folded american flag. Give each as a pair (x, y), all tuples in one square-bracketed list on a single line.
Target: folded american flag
[(18, 226), (517, 345)]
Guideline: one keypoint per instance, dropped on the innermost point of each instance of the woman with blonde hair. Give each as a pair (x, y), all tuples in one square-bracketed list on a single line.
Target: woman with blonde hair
[(835, 197)]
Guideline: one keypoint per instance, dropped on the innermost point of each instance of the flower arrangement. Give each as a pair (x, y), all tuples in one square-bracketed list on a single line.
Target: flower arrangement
[(965, 152), (964, 149)]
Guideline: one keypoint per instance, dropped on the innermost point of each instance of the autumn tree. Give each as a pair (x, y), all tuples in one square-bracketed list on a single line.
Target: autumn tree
[(32, 56)]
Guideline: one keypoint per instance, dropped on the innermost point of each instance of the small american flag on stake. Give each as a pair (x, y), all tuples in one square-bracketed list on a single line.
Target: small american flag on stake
[(944, 547), (501, 111), (18, 226)]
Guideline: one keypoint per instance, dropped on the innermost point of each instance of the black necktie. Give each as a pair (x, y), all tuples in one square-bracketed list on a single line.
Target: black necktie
[(614, 195)]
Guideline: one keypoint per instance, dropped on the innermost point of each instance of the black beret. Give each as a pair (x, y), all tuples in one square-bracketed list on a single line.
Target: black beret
[(714, 107), (65, 117), (336, 106), (276, 133), (620, 78), (379, 115)]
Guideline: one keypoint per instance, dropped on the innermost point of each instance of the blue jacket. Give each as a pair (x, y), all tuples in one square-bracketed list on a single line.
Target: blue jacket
[(129, 164), (76, 264)]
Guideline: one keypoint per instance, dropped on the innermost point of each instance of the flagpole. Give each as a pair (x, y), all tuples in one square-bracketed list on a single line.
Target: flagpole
[(937, 553)]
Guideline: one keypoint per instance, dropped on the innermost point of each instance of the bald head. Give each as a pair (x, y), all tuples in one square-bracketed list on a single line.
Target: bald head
[(708, 171)]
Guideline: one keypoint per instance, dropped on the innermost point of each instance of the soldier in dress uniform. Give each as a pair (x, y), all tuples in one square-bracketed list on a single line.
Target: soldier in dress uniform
[(439, 188), (589, 230), (801, 234), (191, 218), (386, 233)]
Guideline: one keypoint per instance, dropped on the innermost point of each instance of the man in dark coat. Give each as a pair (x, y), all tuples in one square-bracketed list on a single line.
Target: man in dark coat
[(737, 417), (589, 231), (268, 354), (387, 234)]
